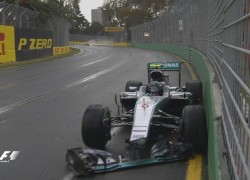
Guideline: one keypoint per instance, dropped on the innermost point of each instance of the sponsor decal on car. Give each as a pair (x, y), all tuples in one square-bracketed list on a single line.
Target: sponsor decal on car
[(165, 66), (144, 106), (145, 103), (137, 130), (137, 136), (138, 133)]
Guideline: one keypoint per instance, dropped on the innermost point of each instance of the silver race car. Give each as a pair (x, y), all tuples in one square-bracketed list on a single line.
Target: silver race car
[(152, 111)]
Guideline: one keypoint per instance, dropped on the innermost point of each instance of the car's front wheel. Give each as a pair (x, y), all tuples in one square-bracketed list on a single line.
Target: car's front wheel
[(96, 126), (195, 87), (194, 127)]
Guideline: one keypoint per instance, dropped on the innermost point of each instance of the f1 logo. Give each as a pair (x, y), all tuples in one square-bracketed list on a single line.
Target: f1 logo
[(9, 156), (2, 48)]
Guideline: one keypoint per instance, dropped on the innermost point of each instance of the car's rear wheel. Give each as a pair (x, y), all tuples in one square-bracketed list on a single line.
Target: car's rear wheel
[(132, 86), (96, 126), (194, 127), (195, 87)]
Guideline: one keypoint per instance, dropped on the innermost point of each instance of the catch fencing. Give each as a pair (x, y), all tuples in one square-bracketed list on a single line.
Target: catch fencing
[(11, 15), (220, 30)]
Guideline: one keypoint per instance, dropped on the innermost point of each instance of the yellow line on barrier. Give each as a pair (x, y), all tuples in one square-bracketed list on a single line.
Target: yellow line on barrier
[(194, 168), (190, 69), (192, 73)]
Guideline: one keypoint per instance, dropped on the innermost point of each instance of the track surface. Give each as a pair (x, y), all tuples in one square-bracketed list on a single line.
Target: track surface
[(42, 105)]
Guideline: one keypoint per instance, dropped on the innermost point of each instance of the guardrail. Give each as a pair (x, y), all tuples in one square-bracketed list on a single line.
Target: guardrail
[(217, 31)]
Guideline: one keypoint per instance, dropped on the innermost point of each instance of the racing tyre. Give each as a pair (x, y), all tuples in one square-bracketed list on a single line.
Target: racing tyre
[(96, 126), (133, 86), (195, 87), (194, 127)]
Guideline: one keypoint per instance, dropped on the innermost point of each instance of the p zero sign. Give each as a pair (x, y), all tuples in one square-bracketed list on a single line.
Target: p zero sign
[(7, 44), (32, 44)]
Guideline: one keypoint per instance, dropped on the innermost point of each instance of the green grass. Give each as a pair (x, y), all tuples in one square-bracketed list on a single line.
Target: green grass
[(32, 61)]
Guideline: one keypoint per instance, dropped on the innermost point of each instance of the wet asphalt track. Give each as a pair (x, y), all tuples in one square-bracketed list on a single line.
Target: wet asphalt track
[(41, 107)]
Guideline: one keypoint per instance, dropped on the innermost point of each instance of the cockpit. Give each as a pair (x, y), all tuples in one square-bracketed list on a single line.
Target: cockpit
[(156, 88), (157, 83)]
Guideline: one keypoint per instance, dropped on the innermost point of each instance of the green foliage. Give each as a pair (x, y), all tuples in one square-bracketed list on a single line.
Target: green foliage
[(78, 21), (132, 12), (94, 29)]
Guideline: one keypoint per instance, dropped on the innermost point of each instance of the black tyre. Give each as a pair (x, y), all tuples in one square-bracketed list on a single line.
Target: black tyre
[(195, 87), (194, 127), (96, 126), (133, 86)]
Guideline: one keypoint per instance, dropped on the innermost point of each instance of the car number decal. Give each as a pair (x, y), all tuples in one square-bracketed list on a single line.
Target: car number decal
[(144, 106)]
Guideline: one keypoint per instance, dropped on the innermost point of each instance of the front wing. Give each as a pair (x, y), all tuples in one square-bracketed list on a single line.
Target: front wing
[(84, 162)]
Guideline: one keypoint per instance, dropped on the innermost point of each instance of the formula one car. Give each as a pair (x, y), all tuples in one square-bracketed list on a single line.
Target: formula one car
[(152, 111)]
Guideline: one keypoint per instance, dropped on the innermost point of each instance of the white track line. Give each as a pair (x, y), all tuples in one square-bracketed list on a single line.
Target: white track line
[(91, 52), (35, 98), (103, 59), (3, 121)]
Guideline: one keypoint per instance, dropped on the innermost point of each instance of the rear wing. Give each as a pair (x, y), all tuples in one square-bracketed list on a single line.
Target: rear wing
[(164, 67)]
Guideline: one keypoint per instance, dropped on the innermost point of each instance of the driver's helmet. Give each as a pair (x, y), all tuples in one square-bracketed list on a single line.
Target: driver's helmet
[(156, 88), (156, 75)]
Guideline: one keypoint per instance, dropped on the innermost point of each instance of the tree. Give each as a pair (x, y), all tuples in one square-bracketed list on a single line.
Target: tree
[(78, 21), (132, 12), (94, 29)]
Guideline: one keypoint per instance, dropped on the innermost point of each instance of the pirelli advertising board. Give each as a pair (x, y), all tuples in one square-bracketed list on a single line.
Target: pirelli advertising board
[(114, 29), (23, 44), (32, 44), (7, 46)]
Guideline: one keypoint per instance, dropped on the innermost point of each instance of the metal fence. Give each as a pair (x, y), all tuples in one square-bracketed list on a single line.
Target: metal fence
[(16, 16), (220, 29), (60, 28)]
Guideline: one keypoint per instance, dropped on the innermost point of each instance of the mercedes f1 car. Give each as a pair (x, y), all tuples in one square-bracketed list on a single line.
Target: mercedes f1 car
[(151, 111)]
